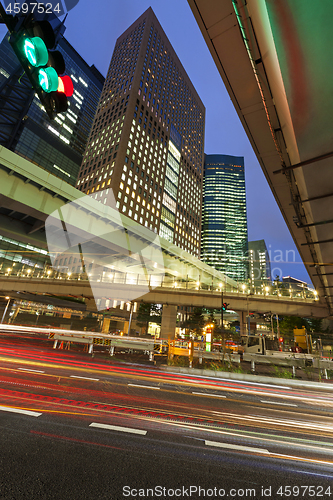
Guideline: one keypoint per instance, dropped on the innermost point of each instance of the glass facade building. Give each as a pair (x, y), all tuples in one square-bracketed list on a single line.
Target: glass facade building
[(224, 241), (55, 145), (146, 147), (259, 263)]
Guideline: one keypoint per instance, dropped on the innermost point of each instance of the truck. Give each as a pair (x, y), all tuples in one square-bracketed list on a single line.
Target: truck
[(255, 345), (302, 341)]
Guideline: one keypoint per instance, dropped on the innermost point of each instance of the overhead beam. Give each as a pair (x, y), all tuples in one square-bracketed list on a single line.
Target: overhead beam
[(318, 264), (303, 163), (323, 274), (314, 198), (39, 224), (317, 242), (316, 223)]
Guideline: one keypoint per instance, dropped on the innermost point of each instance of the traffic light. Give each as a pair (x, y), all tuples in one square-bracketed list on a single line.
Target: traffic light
[(224, 306), (33, 40)]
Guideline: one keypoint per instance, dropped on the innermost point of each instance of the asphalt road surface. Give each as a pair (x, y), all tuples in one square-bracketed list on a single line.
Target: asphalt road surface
[(73, 427)]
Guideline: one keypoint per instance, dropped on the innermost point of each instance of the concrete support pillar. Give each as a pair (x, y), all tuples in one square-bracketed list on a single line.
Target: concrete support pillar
[(169, 320), (91, 305), (242, 322), (126, 324), (5, 308)]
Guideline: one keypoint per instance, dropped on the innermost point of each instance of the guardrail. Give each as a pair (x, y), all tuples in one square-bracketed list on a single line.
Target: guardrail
[(293, 360), (63, 338)]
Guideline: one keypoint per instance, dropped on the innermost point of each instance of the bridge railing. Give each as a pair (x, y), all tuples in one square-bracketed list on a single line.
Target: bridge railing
[(278, 291)]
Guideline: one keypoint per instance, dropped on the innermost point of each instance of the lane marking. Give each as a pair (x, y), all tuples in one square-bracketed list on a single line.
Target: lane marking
[(31, 370), (236, 447), (84, 378), (277, 403), (118, 428), (18, 410), (210, 395), (231, 381), (144, 386)]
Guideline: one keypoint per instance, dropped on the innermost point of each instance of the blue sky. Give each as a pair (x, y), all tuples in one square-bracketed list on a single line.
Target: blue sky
[(93, 31)]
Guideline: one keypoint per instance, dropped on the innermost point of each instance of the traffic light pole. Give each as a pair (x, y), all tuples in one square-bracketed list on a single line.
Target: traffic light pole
[(6, 18), (222, 306)]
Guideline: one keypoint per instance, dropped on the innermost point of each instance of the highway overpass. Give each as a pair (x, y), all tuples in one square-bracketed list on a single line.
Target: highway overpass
[(274, 57), (171, 294), (34, 202)]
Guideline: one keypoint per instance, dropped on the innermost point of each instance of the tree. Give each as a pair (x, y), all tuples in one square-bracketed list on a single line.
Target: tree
[(195, 322), (211, 318), (148, 313), (288, 323)]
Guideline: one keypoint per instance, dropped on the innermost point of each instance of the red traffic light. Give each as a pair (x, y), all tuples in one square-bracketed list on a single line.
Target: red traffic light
[(66, 85)]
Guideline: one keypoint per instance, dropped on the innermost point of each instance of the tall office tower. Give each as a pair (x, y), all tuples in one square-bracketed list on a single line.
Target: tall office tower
[(259, 263), (224, 229), (55, 145), (146, 146)]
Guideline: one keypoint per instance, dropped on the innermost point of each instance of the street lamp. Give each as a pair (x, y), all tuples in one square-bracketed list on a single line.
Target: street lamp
[(4, 314)]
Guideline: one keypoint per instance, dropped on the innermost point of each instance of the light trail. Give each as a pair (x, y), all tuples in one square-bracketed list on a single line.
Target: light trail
[(228, 386)]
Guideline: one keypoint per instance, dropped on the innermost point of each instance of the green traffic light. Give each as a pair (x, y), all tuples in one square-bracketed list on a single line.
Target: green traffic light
[(36, 51), (48, 79)]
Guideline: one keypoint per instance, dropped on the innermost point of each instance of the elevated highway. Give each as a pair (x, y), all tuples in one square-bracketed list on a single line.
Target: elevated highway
[(274, 58), (176, 294)]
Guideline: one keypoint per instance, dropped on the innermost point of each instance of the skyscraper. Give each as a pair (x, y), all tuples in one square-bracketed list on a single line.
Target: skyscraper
[(259, 263), (57, 145), (147, 142), (224, 229)]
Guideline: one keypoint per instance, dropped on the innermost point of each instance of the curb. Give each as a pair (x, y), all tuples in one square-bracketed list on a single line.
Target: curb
[(259, 379)]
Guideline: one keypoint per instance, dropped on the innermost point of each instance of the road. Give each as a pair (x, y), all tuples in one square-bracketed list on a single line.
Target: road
[(76, 427)]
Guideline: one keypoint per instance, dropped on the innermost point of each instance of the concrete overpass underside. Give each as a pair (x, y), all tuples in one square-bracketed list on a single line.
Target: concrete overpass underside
[(40, 209), (274, 58)]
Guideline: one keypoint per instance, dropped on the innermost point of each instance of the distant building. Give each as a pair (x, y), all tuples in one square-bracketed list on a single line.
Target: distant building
[(224, 241), (296, 284), (55, 145), (146, 147), (259, 263)]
